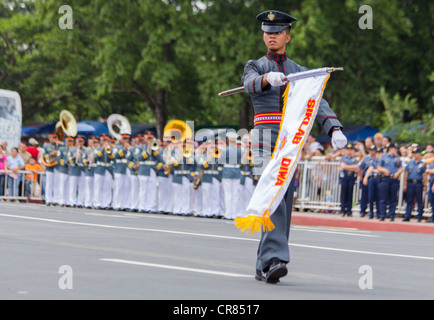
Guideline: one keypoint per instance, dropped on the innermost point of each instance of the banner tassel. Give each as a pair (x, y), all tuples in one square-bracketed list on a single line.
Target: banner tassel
[(254, 223)]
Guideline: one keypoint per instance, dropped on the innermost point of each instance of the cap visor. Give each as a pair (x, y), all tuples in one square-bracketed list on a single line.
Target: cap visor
[(272, 28)]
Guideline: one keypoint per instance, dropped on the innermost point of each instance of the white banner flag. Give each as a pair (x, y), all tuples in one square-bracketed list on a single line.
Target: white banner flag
[(301, 101)]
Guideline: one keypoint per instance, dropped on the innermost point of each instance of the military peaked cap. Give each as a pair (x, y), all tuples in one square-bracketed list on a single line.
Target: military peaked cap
[(275, 21)]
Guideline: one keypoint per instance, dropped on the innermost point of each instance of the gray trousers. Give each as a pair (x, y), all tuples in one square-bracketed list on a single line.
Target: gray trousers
[(274, 243)]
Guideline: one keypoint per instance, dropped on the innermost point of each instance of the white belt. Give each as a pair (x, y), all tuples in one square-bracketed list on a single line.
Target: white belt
[(245, 173), (148, 162), (103, 164), (211, 172), (182, 172), (232, 166)]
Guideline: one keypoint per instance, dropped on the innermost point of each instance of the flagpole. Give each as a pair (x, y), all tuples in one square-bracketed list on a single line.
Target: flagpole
[(289, 77)]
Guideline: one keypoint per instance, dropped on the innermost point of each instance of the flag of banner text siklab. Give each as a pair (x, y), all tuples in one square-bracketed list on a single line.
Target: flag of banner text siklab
[(301, 102)]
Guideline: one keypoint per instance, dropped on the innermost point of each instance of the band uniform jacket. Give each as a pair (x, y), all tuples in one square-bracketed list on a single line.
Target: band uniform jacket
[(184, 168), (268, 102), (121, 156), (148, 160), (103, 160), (231, 159), (63, 160), (48, 149)]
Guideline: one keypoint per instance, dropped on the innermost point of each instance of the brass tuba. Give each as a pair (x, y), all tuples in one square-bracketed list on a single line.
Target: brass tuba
[(178, 130), (66, 126), (117, 125)]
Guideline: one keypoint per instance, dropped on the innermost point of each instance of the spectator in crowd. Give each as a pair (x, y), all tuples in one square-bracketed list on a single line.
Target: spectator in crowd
[(378, 140), (369, 141), (31, 178), (5, 148), (33, 148), (403, 151), (386, 141), (360, 149), (3, 166), (23, 153), (15, 163)]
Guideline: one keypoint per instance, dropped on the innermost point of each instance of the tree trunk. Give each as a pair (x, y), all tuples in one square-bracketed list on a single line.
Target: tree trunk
[(160, 111)]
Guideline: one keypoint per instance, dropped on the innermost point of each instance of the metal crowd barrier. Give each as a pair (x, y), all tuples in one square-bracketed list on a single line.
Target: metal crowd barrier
[(319, 188), (14, 186)]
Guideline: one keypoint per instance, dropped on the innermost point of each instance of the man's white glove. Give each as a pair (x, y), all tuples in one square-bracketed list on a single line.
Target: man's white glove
[(338, 139), (277, 79)]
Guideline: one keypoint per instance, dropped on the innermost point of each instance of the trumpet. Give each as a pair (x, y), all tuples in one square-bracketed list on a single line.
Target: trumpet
[(155, 146), (108, 150)]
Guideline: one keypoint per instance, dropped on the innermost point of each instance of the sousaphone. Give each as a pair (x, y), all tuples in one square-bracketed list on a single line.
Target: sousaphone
[(66, 126), (118, 125), (177, 130)]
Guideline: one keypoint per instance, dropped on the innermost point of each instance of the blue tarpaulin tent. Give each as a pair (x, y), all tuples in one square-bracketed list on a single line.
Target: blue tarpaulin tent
[(352, 132)]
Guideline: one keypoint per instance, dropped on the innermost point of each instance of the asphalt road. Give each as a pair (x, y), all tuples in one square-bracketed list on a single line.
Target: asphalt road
[(66, 253)]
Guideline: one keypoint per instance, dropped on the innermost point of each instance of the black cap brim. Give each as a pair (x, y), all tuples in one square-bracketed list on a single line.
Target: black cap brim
[(272, 28)]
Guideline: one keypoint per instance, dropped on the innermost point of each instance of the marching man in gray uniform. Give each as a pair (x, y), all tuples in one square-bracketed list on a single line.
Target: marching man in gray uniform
[(262, 79)]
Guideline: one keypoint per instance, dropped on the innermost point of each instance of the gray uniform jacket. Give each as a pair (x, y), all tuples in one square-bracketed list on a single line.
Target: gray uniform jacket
[(270, 99)]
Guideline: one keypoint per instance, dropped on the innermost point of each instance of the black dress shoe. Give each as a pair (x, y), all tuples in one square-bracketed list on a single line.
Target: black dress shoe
[(276, 271)]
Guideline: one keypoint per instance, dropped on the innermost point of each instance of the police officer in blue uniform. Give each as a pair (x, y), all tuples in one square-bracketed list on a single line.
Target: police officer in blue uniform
[(371, 179), (391, 168), (430, 172), (363, 168), (262, 79), (414, 185), (347, 177)]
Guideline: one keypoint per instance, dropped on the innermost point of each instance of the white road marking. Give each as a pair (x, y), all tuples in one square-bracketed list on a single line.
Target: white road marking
[(165, 266), (214, 236)]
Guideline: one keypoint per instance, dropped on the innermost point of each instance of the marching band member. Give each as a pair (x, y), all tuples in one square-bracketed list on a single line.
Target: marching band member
[(210, 183), (183, 166), (121, 188), (63, 170), (150, 161), (164, 177), (102, 179), (76, 183), (89, 172), (246, 179), (133, 166), (198, 154), (231, 176), (51, 178)]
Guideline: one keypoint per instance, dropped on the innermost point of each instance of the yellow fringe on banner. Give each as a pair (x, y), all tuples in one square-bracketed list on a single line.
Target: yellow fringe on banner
[(254, 223)]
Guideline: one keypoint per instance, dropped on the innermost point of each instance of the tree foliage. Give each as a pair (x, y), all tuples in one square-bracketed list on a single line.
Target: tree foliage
[(162, 59)]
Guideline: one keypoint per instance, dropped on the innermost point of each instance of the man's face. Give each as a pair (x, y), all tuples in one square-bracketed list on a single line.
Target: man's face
[(275, 42)]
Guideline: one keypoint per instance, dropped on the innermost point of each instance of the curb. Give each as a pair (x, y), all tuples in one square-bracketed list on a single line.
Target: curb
[(306, 219)]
